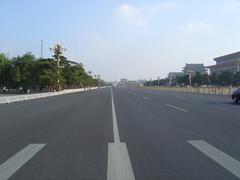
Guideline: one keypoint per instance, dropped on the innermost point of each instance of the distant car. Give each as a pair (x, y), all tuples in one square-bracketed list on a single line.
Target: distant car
[(236, 96)]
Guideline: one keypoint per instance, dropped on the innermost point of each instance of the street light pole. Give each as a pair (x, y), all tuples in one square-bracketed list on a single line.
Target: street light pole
[(98, 80), (158, 80), (58, 50), (190, 76)]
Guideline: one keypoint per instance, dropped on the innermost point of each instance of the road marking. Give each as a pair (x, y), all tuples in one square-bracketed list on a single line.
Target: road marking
[(180, 97), (115, 125), (9, 167), (218, 156), (147, 98), (119, 164), (175, 107)]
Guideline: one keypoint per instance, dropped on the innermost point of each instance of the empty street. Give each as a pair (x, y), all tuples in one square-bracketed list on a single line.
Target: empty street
[(111, 134)]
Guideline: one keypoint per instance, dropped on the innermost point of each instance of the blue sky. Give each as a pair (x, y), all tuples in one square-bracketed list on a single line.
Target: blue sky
[(135, 39)]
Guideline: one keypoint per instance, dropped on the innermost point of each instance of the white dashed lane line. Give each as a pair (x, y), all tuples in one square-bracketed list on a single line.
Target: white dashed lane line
[(218, 156), (12, 165), (178, 108), (145, 97)]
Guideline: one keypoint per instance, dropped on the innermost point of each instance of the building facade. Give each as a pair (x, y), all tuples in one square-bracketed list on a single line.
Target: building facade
[(230, 62), (194, 68)]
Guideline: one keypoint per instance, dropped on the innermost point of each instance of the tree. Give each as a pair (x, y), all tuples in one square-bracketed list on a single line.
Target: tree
[(214, 79), (226, 78), (236, 79), (30, 72)]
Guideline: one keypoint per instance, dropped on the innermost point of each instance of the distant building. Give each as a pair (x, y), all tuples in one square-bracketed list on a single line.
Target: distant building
[(141, 82), (132, 83), (123, 82), (194, 68), (230, 62)]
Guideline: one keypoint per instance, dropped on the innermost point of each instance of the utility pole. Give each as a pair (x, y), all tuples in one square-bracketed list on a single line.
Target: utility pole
[(190, 76), (158, 80), (41, 49), (170, 79), (58, 50), (98, 80)]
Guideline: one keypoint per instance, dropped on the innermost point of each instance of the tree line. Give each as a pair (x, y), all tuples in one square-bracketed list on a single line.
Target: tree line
[(226, 78), (29, 72)]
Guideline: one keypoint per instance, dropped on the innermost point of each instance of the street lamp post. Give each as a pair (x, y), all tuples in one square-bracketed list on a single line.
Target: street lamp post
[(98, 80), (190, 76), (58, 50), (158, 80)]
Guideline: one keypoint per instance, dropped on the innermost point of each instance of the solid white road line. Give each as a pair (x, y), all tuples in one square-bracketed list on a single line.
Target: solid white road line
[(218, 156), (175, 107), (115, 125), (9, 167), (147, 98), (119, 165)]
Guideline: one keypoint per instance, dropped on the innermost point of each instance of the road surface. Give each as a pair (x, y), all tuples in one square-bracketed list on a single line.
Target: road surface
[(121, 133)]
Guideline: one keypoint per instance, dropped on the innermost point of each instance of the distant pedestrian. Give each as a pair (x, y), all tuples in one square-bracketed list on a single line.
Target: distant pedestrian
[(4, 89)]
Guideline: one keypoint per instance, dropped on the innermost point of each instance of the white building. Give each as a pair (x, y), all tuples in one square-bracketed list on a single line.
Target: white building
[(230, 62)]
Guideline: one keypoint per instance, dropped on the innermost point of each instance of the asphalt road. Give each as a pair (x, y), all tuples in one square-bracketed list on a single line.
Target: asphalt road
[(121, 133)]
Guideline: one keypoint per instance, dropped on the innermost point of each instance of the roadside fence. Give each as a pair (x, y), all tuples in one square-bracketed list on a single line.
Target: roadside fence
[(202, 90), (24, 97)]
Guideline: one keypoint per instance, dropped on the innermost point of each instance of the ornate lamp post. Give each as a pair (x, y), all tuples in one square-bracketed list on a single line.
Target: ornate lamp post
[(190, 71), (58, 50)]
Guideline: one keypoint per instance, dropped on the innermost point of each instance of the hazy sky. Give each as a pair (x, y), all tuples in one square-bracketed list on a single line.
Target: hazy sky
[(118, 38)]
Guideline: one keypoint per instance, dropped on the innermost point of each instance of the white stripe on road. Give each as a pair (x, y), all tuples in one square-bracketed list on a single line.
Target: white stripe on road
[(180, 97), (9, 167), (147, 98), (115, 125), (218, 156), (175, 107), (119, 165)]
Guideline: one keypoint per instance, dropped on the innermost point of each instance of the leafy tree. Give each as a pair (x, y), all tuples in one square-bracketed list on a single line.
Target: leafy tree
[(226, 78), (236, 79)]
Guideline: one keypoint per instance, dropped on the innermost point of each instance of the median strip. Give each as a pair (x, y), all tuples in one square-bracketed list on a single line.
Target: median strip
[(18, 98)]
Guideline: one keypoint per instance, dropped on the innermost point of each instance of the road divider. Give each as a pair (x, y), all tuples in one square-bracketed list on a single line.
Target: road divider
[(190, 89), (18, 98)]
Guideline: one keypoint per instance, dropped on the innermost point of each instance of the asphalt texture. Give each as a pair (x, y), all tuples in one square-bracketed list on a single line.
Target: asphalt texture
[(155, 125)]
